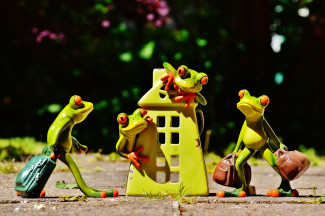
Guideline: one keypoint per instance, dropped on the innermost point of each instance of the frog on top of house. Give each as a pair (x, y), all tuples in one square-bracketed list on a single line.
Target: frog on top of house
[(187, 82), (254, 135), (129, 127), (60, 142)]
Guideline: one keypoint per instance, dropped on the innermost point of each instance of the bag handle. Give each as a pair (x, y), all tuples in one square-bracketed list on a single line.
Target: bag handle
[(202, 120), (271, 134)]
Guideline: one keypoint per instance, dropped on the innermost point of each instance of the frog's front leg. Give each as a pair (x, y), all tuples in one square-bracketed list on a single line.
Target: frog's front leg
[(187, 96), (78, 146), (52, 151), (132, 156), (284, 189), (169, 80), (90, 192)]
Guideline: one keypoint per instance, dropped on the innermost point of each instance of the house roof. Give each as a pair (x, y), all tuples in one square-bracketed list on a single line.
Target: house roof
[(157, 96)]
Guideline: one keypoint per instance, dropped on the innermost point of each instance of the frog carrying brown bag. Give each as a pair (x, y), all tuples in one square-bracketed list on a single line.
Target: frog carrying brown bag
[(226, 173)]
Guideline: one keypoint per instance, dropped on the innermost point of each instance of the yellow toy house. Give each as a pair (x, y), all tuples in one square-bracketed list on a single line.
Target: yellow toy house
[(172, 143)]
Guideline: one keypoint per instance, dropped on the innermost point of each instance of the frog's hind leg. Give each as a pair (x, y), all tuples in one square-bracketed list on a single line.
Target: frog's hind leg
[(284, 189), (90, 192), (240, 161)]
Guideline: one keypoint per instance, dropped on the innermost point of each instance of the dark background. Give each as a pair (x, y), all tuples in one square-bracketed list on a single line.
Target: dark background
[(112, 66)]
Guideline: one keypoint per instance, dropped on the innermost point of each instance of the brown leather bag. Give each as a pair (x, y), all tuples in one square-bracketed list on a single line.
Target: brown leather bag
[(226, 173), (292, 164)]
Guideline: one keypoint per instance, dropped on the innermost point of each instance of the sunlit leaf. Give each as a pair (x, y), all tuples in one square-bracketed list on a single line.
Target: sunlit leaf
[(147, 50), (101, 8), (54, 108), (182, 35), (201, 42), (126, 57), (207, 64), (125, 93), (63, 185), (101, 105), (178, 56)]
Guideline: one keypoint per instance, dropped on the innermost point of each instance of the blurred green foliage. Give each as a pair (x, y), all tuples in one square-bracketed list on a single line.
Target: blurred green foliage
[(312, 155), (105, 51), (16, 148)]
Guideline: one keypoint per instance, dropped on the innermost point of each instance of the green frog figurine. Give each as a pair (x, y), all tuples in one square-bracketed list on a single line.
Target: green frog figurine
[(60, 142), (186, 81), (254, 135), (129, 127)]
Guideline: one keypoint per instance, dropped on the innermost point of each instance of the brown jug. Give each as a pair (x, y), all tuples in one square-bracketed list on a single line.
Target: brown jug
[(292, 164), (226, 173)]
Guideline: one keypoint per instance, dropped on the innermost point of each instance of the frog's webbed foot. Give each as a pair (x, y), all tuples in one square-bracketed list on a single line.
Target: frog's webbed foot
[(284, 190), (235, 193), (134, 157), (282, 193), (187, 96), (168, 79)]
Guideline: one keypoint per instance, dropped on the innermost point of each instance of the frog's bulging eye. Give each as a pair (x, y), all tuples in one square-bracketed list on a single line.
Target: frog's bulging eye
[(143, 112), (181, 71), (241, 94), (78, 100), (204, 80), (122, 118), (265, 100)]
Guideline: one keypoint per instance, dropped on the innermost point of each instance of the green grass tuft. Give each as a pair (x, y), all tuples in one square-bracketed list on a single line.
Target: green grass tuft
[(7, 167)]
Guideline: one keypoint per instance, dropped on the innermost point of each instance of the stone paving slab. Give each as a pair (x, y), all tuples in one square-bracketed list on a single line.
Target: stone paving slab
[(107, 175)]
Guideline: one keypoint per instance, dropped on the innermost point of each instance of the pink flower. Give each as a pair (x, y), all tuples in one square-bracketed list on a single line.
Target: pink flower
[(163, 9), (52, 36), (158, 22), (106, 23), (150, 16)]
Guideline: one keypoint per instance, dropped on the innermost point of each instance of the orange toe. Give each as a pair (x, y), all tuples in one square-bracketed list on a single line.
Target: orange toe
[(242, 194), (103, 194), (115, 193), (221, 194), (275, 193), (295, 193), (42, 194)]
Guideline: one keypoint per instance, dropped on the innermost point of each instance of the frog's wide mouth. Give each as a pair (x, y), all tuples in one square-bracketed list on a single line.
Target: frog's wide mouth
[(88, 107), (137, 128), (247, 108), (196, 88)]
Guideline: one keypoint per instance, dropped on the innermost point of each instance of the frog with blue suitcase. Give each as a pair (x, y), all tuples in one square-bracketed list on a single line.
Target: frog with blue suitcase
[(32, 179)]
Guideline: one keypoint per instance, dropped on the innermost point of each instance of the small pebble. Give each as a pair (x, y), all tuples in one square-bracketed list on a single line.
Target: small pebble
[(17, 209), (251, 202), (39, 207)]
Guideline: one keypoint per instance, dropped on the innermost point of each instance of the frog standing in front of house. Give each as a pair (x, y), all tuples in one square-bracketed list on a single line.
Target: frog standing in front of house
[(129, 127), (187, 82), (60, 142), (255, 134)]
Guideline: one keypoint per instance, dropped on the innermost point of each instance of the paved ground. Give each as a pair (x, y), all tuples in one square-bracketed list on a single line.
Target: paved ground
[(106, 175)]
